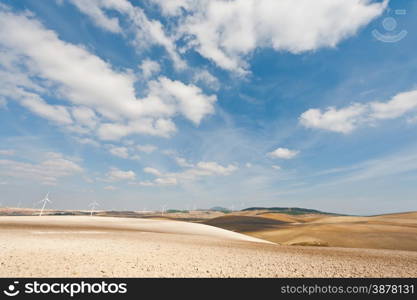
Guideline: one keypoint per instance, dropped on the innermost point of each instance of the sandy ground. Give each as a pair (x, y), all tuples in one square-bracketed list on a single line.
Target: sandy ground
[(74, 246)]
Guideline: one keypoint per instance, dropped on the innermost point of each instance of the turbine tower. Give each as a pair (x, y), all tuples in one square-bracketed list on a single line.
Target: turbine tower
[(163, 209), (44, 201), (93, 207)]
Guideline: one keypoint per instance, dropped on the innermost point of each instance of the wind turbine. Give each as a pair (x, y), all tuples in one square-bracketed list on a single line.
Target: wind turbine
[(163, 208), (93, 207), (44, 200)]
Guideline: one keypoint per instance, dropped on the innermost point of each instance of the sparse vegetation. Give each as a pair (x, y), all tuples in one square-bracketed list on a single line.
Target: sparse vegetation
[(173, 211)]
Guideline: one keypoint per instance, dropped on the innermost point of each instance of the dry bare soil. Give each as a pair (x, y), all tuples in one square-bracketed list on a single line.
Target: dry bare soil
[(83, 246), (393, 231)]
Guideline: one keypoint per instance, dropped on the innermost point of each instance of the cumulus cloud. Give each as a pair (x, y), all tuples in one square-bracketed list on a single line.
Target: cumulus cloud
[(343, 120), (122, 152), (347, 119), (146, 32), (165, 181), (189, 99), (47, 171), (399, 105), (38, 106), (86, 141), (182, 162), (149, 67), (172, 7), (226, 31), (92, 9), (283, 153), (130, 151), (152, 171), (115, 174), (205, 78), (193, 172), (156, 127), (85, 116), (213, 168), (98, 99), (146, 148)]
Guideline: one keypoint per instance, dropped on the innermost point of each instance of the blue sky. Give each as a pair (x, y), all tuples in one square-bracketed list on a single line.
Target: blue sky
[(209, 103)]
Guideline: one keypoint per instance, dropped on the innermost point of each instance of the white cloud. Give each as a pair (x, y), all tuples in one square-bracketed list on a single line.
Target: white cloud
[(149, 68), (157, 127), (412, 120), (118, 175), (48, 171), (128, 152), (205, 78), (92, 9), (146, 183), (147, 32), (276, 167), (201, 169), (166, 181), (55, 113), (171, 7), (343, 120), (191, 101), (7, 152), (346, 119), (122, 152), (85, 116), (283, 153), (227, 31), (152, 171), (182, 162), (146, 148), (215, 168), (82, 77), (135, 157), (87, 141), (99, 100), (110, 188), (396, 107)]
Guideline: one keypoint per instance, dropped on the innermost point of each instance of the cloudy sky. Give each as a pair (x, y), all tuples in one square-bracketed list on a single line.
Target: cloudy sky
[(201, 103)]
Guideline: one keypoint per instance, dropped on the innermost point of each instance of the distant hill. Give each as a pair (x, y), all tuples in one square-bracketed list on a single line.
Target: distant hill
[(290, 210)]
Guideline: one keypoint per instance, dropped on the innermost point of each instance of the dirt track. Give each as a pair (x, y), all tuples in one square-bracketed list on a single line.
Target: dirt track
[(100, 247)]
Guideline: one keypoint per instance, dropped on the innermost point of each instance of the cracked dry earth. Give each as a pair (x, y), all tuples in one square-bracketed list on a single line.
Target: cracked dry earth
[(69, 246)]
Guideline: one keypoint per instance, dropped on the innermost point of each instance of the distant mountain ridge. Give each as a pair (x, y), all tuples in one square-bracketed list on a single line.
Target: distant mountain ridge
[(290, 210)]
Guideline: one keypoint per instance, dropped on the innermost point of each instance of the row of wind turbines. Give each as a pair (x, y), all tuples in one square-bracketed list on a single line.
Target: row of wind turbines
[(94, 205)]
